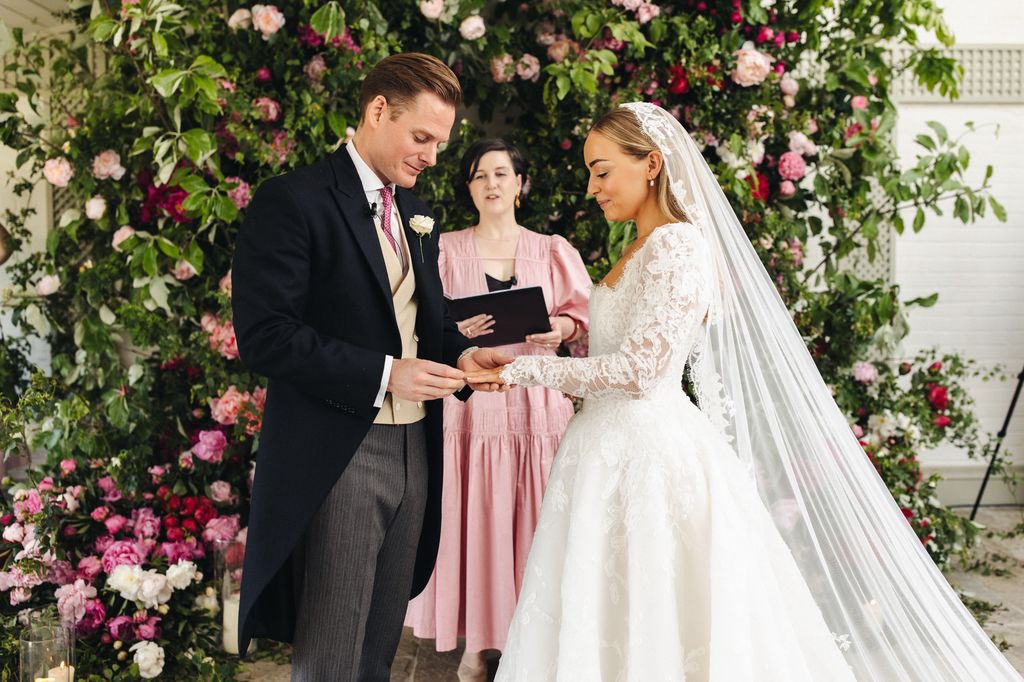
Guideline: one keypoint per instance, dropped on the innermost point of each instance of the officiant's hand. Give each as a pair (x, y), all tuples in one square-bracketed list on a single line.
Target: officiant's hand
[(478, 325), (415, 380), (485, 360), (553, 339)]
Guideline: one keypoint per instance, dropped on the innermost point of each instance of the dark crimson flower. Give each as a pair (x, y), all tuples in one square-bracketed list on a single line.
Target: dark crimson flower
[(935, 366), (942, 421), (678, 82), (938, 396), (761, 189), (189, 525)]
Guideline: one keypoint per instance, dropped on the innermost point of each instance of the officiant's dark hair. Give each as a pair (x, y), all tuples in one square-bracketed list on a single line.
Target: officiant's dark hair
[(401, 77), (471, 161)]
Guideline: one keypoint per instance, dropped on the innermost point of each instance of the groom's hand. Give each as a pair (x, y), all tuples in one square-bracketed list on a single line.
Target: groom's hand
[(414, 379), (485, 359)]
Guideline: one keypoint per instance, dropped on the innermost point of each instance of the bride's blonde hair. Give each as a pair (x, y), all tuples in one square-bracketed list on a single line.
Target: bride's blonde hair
[(621, 126)]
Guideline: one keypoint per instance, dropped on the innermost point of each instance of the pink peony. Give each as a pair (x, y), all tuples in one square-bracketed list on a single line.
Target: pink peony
[(58, 172), (68, 466), (225, 409), (47, 285), (180, 550), (472, 27), (122, 628), (14, 533), (220, 491), (107, 485), (31, 503), (103, 543), (268, 109), (227, 343), (124, 232), (89, 567), (183, 270), (121, 553), (148, 629), (185, 460), (210, 447), (752, 67), (431, 9), (92, 619), (502, 69), (859, 102), (267, 19), (801, 144), (528, 67), (864, 372), (221, 529), (145, 523), (242, 18), (209, 323), (99, 514), (115, 524), (787, 188), (792, 166), (73, 599), (107, 165)]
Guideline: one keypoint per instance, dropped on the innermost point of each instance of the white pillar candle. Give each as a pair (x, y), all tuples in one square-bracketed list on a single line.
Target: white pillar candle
[(65, 673), (230, 621)]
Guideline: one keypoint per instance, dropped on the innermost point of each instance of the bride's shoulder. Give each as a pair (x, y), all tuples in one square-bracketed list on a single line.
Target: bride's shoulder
[(677, 234)]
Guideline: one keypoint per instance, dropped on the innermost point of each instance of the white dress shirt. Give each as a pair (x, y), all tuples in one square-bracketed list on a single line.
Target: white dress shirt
[(372, 186)]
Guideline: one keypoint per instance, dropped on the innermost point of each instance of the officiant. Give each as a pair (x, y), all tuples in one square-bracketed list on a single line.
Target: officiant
[(498, 447)]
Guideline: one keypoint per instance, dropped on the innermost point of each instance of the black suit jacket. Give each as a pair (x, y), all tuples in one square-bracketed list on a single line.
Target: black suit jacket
[(313, 312)]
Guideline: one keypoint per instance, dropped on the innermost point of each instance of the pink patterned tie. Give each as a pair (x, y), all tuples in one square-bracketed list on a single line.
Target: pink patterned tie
[(385, 219)]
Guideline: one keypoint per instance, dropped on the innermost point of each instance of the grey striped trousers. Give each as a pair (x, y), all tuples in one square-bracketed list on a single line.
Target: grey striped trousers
[(358, 556)]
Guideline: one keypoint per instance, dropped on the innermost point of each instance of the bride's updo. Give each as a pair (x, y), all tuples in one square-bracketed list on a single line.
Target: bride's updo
[(620, 125)]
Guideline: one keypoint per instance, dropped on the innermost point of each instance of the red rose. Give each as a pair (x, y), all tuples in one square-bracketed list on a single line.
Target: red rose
[(189, 505), (938, 396), (942, 421), (175, 534), (163, 492), (678, 81), (909, 513), (935, 366), (174, 504), (171, 522), (204, 514), (760, 190), (188, 524)]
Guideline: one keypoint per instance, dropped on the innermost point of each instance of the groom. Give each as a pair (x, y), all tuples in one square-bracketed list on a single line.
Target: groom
[(338, 301)]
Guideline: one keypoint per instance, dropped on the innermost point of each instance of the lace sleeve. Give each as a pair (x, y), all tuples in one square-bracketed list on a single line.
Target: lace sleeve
[(671, 302)]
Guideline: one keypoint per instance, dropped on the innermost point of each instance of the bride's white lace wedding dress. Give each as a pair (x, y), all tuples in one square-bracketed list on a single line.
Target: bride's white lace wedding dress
[(654, 559)]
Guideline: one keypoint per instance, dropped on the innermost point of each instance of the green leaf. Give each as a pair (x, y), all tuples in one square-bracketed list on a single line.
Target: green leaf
[(926, 142), (167, 81), (940, 130), (160, 45), (918, 219), (329, 20), (169, 249), (149, 256), (998, 209), (925, 301), (198, 144), (207, 66)]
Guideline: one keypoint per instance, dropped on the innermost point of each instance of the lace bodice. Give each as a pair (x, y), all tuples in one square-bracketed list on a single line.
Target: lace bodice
[(642, 328)]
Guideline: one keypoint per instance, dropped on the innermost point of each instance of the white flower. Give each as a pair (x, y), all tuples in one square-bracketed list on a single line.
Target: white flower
[(752, 67), (58, 172), (208, 601), (472, 27), (801, 144), (149, 656), (431, 9), (421, 224), (242, 18), (789, 86), (14, 533), (47, 285), (107, 165), (125, 581), (95, 208), (267, 19), (180, 575), (755, 152), (154, 589)]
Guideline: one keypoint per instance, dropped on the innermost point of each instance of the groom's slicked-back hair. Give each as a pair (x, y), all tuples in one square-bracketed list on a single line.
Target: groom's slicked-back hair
[(401, 78)]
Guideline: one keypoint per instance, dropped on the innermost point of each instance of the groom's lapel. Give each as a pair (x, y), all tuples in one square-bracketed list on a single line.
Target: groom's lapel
[(403, 201), (351, 199)]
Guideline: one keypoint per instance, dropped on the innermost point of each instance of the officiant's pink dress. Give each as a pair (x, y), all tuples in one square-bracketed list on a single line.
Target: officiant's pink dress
[(498, 449)]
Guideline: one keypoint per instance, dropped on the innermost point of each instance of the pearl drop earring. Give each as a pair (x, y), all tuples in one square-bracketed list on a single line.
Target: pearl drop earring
[(651, 182)]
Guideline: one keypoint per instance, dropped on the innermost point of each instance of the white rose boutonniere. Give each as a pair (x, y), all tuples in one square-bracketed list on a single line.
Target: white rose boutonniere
[(422, 225)]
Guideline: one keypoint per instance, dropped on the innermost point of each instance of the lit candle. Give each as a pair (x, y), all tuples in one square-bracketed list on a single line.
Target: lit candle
[(65, 673), (45, 679)]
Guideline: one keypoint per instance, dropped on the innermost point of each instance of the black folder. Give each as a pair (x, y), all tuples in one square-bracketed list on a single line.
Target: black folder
[(516, 312)]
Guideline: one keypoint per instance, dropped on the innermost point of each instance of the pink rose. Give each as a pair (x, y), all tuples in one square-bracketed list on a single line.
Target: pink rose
[(121, 553), (185, 460), (58, 172), (268, 109), (263, 75), (792, 166), (528, 67), (646, 12), (68, 466), (123, 233), (502, 69), (225, 409), (864, 372), (107, 485), (183, 271), (561, 48), (267, 19), (221, 529), (115, 524), (316, 68), (789, 86), (73, 599), (752, 67), (89, 567), (859, 102), (242, 18), (99, 514), (220, 491), (787, 188), (227, 344), (431, 9), (95, 207), (107, 165), (209, 323), (472, 27), (210, 447)]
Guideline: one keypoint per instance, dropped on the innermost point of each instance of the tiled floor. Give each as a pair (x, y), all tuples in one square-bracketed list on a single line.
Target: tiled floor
[(418, 662)]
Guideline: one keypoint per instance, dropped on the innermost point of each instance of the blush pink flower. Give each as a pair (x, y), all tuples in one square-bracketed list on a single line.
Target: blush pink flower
[(315, 69), (502, 69), (107, 165), (646, 12), (528, 67), (267, 19), (242, 18), (225, 409), (89, 567), (121, 553), (183, 270), (472, 27), (124, 232), (864, 372), (241, 194), (68, 466), (224, 286), (752, 66), (47, 285), (221, 529), (859, 102), (58, 171), (145, 523), (115, 524), (109, 488), (792, 166), (73, 599), (269, 110), (431, 9), (210, 446), (220, 491), (787, 188)]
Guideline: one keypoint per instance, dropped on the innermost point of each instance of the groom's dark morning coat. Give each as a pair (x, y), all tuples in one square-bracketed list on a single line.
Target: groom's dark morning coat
[(313, 312)]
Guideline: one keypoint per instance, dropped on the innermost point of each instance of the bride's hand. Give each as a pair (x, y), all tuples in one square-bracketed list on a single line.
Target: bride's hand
[(485, 376)]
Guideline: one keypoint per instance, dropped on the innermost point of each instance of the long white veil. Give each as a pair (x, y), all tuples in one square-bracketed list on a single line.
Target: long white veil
[(892, 611)]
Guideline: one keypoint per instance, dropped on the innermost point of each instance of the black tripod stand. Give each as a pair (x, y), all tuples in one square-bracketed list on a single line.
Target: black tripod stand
[(999, 443)]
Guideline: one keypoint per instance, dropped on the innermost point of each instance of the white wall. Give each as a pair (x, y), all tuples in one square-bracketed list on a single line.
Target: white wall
[(978, 270)]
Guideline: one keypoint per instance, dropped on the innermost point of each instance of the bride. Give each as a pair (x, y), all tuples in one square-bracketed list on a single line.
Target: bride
[(746, 540)]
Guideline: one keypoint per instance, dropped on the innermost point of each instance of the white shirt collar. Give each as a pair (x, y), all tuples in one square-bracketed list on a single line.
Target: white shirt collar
[(369, 179)]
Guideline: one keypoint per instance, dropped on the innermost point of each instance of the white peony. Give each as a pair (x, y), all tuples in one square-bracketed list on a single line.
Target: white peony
[(154, 589), (181, 574), (125, 581), (472, 27), (149, 656), (95, 208)]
